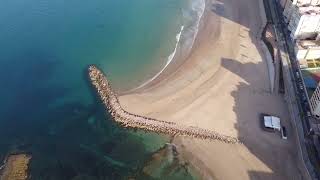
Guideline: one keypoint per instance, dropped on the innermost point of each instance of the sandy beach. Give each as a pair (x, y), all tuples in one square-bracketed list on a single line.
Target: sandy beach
[(223, 86)]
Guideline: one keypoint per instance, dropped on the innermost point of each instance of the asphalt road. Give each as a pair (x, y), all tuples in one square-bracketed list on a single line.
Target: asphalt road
[(295, 91)]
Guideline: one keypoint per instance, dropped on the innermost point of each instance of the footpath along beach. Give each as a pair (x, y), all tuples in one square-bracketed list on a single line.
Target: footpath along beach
[(222, 87)]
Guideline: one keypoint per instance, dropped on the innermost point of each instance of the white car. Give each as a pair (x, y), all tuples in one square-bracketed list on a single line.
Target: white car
[(270, 123)]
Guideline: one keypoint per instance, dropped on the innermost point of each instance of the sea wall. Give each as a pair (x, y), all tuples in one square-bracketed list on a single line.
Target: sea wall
[(263, 46), (129, 120)]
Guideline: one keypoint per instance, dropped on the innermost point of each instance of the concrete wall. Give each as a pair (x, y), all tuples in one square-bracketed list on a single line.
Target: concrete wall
[(263, 47), (269, 61)]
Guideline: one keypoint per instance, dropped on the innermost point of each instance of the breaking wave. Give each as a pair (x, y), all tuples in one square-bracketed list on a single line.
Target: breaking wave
[(186, 37)]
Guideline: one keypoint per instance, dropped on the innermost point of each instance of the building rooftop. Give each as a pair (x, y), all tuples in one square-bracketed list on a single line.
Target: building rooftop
[(306, 2), (305, 44), (309, 10)]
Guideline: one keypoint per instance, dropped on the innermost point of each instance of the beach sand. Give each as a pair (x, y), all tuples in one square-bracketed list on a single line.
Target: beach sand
[(223, 86)]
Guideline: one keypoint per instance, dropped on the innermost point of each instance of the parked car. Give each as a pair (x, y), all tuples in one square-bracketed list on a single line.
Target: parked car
[(270, 123)]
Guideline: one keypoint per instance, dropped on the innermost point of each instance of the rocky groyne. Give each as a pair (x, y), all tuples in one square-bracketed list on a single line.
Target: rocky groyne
[(16, 167), (129, 120)]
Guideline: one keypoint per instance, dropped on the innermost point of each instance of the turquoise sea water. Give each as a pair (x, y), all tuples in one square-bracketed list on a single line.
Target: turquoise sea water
[(47, 108)]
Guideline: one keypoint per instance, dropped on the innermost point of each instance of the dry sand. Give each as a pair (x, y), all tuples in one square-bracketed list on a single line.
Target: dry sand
[(223, 86)]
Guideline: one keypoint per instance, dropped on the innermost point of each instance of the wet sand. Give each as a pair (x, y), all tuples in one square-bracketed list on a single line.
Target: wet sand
[(223, 87)]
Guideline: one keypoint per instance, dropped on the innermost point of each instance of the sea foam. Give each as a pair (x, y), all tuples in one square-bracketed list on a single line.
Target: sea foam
[(186, 36)]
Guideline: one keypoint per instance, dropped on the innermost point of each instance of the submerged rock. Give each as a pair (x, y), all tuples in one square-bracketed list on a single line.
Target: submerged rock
[(84, 177), (91, 120), (165, 164)]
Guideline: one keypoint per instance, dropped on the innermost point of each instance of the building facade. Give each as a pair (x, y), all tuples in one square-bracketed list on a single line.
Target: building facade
[(306, 2), (307, 49), (300, 2), (302, 21), (315, 102)]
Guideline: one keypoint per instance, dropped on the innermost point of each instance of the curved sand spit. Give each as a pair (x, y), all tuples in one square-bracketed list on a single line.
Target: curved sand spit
[(126, 119)]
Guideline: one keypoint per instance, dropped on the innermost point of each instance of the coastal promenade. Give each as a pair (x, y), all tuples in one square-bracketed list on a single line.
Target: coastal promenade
[(130, 120)]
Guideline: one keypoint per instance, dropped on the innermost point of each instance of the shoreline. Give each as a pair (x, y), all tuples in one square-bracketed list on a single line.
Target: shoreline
[(223, 85), (174, 62), (134, 121), (170, 59)]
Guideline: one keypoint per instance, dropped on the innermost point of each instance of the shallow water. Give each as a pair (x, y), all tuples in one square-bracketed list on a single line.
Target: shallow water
[(47, 107)]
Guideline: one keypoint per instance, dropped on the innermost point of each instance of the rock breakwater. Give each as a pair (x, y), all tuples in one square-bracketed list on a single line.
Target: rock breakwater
[(16, 167), (129, 120)]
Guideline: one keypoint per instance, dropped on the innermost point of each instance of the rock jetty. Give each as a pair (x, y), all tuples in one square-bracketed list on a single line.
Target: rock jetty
[(16, 167), (129, 120)]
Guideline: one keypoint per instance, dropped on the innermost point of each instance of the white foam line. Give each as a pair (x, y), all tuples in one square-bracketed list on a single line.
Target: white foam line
[(200, 17), (170, 58), (172, 55)]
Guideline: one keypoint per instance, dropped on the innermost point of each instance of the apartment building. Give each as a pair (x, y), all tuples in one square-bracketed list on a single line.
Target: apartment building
[(303, 21), (307, 49), (300, 2)]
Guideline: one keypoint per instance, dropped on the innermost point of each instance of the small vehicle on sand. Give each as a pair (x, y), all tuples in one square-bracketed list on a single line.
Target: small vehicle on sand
[(270, 123)]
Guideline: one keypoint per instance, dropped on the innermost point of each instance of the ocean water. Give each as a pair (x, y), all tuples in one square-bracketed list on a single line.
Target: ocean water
[(47, 107)]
